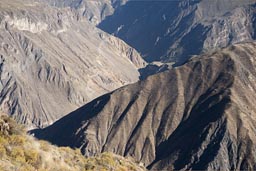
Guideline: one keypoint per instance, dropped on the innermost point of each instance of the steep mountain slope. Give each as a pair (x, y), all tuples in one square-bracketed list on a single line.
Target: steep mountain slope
[(94, 11), (22, 152), (53, 61), (199, 116), (175, 30)]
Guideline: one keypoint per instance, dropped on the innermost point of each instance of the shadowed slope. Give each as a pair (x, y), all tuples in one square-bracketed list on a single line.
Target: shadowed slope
[(53, 61), (164, 30), (199, 116)]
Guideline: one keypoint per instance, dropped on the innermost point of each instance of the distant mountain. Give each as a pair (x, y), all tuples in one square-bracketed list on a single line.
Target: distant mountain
[(199, 116), (171, 31), (95, 11), (174, 31), (52, 61)]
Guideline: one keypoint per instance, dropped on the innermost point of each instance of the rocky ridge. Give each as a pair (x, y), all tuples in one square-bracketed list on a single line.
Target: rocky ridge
[(199, 116), (163, 31), (94, 11), (54, 61)]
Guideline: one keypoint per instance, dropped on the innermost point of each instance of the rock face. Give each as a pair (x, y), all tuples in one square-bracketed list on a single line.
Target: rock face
[(52, 61), (175, 30), (199, 116), (94, 11)]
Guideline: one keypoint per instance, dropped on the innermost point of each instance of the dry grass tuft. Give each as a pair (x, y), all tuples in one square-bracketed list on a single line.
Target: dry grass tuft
[(19, 151)]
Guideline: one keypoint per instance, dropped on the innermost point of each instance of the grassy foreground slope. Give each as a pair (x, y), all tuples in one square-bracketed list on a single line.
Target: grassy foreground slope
[(22, 152)]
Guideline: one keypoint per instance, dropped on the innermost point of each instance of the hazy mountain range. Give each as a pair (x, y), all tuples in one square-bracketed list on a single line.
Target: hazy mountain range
[(163, 30), (176, 30), (168, 83)]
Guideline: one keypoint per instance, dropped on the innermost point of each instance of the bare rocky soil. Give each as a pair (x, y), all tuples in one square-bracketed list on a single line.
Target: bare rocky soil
[(53, 61), (199, 116)]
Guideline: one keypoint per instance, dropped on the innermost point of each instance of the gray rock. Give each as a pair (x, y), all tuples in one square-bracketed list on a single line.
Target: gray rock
[(94, 11), (173, 31), (199, 116), (52, 61)]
